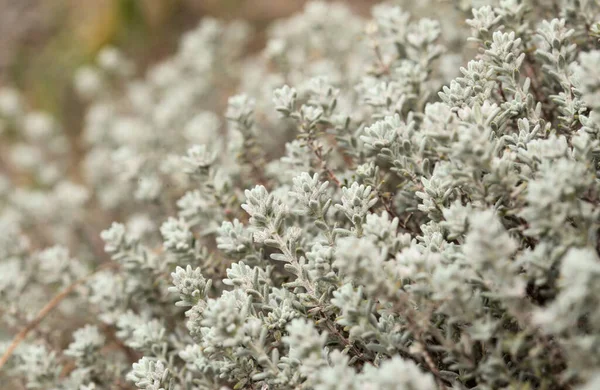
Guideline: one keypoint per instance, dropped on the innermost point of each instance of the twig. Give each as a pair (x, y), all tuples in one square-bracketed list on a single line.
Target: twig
[(501, 90), (319, 154), (43, 313), (344, 341)]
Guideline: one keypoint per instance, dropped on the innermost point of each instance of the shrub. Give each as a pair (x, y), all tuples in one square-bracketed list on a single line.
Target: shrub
[(365, 214)]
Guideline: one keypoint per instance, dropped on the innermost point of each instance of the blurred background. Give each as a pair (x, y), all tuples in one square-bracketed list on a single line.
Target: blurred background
[(42, 42)]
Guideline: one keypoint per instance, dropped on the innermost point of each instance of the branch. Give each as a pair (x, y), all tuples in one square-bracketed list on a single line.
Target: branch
[(44, 312), (317, 151)]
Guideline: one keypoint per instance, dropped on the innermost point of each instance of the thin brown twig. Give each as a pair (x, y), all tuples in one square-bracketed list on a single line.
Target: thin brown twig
[(51, 305), (501, 90), (344, 341), (317, 151)]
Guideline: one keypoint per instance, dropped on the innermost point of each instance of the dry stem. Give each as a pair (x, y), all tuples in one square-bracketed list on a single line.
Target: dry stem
[(51, 305)]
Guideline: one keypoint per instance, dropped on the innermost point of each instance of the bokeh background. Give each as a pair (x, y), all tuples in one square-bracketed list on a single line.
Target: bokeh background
[(42, 42)]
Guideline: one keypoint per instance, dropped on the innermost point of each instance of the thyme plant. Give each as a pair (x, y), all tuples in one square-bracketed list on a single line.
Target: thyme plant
[(396, 201)]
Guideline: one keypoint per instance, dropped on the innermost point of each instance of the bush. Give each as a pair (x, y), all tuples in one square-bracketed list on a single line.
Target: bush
[(374, 217)]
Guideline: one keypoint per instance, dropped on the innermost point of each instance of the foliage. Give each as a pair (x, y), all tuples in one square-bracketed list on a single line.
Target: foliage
[(364, 214)]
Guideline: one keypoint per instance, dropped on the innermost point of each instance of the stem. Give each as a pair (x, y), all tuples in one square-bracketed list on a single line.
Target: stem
[(44, 312), (261, 356), (344, 341), (310, 288), (328, 232), (319, 154)]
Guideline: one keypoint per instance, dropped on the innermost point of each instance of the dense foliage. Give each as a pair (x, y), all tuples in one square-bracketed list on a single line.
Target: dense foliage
[(380, 206)]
